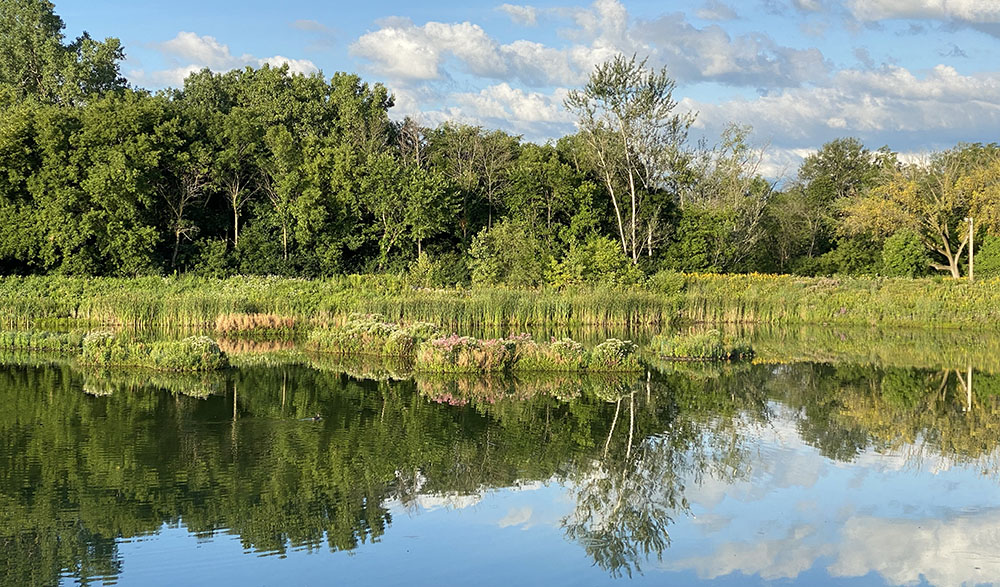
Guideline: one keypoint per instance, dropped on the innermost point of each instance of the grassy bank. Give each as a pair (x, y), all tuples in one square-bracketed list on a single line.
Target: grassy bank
[(189, 302)]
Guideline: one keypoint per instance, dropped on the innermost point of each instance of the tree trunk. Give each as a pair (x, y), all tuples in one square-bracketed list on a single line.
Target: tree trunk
[(236, 225), (177, 245)]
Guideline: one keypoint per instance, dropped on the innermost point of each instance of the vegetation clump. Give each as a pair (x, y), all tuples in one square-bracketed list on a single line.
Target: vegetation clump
[(564, 354), (701, 346), (464, 354), (40, 340), (615, 355), (195, 353), (521, 354), (369, 334)]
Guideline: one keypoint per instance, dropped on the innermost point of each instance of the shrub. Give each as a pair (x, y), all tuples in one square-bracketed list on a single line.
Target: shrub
[(614, 355), (667, 282), (196, 353), (368, 334), (559, 355), (903, 255), (464, 354), (507, 253), (598, 260), (987, 257), (710, 345)]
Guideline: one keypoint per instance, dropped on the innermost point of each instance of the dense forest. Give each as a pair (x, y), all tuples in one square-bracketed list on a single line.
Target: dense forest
[(262, 171)]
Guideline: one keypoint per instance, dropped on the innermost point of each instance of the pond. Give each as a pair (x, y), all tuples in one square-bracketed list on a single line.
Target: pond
[(862, 473)]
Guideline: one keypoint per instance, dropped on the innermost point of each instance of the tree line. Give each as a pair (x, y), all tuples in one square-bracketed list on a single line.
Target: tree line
[(264, 171)]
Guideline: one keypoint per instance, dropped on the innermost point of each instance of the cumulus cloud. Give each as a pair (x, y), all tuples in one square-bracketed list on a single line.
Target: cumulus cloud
[(534, 115), (711, 54), (973, 11), (402, 50), (888, 105), (190, 52), (526, 15)]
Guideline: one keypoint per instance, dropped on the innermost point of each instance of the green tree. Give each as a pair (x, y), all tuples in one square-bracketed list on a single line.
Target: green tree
[(903, 255), (507, 254), (34, 61), (635, 139), (933, 200)]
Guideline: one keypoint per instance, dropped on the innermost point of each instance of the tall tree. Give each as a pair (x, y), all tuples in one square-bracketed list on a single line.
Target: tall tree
[(626, 116), (34, 61)]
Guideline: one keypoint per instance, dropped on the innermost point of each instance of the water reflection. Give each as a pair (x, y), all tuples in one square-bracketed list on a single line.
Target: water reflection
[(89, 459)]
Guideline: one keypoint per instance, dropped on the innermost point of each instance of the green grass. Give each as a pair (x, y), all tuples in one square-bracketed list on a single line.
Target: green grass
[(710, 345), (666, 298)]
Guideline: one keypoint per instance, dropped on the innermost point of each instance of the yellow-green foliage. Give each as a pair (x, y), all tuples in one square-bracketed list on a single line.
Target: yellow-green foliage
[(710, 345), (370, 335), (196, 353), (783, 299)]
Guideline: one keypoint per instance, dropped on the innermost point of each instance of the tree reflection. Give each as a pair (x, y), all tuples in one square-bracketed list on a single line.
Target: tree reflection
[(657, 444), (87, 458)]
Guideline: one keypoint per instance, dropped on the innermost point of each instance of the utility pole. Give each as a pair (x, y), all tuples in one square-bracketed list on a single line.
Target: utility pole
[(971, 254), (971, 251)]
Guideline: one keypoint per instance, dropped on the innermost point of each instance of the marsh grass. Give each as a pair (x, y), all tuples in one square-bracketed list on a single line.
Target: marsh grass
[(40, 340), (255, 325), (710, 345), (665, 299)]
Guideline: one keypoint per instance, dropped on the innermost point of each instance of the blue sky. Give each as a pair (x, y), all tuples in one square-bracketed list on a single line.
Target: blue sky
[(917, 75)]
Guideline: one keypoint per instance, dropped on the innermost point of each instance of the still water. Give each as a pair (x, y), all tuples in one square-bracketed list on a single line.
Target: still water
[(805, 473)]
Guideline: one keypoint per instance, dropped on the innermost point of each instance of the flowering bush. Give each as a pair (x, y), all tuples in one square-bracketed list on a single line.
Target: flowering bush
[(464, 354)]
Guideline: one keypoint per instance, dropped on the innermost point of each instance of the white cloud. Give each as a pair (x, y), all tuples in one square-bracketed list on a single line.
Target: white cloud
[(956, 551), (190, 52), (808, 5), (517, 517), (401, 50), (973, 11), (890, 105), (526, 15), (715, 10)]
